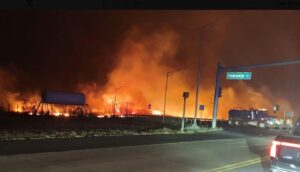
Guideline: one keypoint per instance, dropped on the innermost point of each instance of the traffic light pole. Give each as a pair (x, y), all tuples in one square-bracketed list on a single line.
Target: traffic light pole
[(247, 67), (183, 115), (216, 98), (185, 96), (220, 69)]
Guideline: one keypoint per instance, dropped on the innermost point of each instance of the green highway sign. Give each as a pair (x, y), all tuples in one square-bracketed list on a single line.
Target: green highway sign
[(239, 75)]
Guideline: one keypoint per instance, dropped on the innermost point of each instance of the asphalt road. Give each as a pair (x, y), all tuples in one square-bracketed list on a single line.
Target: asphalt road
[(240, 149)]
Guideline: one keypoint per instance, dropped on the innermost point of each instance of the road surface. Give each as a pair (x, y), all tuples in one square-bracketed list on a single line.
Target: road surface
[(240, 150)]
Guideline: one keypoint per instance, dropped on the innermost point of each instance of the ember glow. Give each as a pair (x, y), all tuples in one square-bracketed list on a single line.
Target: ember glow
[(57, 114), (156, 112)]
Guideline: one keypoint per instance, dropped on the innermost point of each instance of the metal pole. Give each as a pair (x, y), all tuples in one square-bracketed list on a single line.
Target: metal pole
[(200, 116), (126, 108), (216, 99), (183, 115), (166, 89), (165, 101), (197, 93), (253, 66), (114, 110)]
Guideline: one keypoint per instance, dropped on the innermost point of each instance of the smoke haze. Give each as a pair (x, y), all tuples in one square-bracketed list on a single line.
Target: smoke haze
[(130, 52)]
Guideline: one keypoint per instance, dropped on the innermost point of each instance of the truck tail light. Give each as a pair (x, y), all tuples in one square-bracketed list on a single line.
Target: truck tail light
[(276, 144), (273, 150), (293, 145)]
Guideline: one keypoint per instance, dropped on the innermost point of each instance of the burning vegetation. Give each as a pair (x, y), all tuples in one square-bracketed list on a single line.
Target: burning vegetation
[(133, 72)]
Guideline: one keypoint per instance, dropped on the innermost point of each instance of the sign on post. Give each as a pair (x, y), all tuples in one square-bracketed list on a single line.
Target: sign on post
[(289, 114), (201, 107), (238, 75), (185, 95)]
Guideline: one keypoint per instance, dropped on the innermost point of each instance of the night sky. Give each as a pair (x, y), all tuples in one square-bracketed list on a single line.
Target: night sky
[(61, 50)]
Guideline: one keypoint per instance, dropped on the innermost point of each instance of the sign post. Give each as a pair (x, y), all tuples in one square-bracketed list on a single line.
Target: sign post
[(288, 119), (185, 96), (289, 114), (201, 108)]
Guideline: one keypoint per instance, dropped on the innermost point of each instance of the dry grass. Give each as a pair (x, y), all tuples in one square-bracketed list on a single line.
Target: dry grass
[(21, 127)]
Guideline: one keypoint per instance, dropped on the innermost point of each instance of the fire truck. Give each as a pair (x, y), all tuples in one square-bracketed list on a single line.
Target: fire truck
[(253, 117)]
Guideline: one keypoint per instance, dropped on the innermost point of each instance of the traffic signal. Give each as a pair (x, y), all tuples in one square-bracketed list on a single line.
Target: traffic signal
[(220, 92), (276, 108), (186, 95)]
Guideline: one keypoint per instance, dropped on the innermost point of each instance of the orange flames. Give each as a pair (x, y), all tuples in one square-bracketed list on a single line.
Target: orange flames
[(140, 76), (137, 80), (137, 84)]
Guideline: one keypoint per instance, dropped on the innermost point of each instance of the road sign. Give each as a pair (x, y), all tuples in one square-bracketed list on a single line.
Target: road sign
[(239, 75), (201, 107), (289, 114)]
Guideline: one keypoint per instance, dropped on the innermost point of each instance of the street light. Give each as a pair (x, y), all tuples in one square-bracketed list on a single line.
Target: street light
[(114, 110), (166, 89), (198, 69)]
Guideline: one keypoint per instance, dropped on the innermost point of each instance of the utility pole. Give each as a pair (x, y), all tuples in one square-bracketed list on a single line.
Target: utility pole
[(197, 94), (165, 100), (126, 108), (114, 110), (115, 99)]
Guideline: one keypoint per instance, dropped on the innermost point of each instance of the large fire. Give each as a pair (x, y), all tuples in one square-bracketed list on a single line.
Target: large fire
[(137, 84), (140, 76)]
